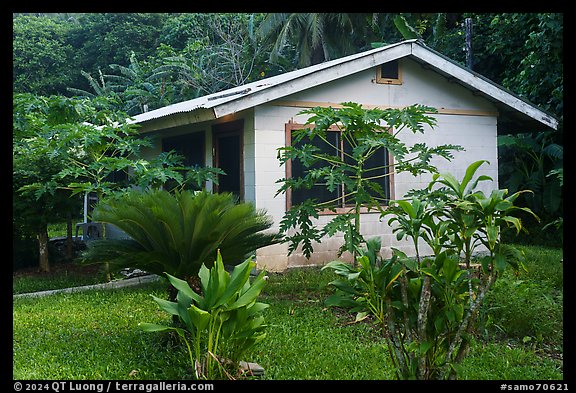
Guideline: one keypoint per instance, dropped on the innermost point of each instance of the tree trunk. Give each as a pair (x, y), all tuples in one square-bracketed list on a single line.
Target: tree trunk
[(69, 255), (43, 261)]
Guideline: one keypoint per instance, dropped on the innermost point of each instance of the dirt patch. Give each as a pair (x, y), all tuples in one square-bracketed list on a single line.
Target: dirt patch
[(60, 269)]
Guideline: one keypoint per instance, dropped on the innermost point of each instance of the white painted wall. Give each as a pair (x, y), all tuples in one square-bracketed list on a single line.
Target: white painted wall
[(476, 133), (264, 133)]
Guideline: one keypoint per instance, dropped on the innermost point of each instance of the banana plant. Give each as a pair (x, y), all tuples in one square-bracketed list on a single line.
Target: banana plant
[(221, 325)]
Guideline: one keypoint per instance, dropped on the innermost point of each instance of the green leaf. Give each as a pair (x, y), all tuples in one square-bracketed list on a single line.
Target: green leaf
[(424, 347), (168, 306), (344, 286), (407, 31), (431, 271), (395, 272), (152, 327), (251, 294), (200, 318), (470, 171), (361, 316), (240, 275), (338, 300), (500, 261), (183, 287), (204, 275)]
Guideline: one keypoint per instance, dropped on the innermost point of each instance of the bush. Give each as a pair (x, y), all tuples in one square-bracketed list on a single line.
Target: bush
[(24, 253), (223, 324)]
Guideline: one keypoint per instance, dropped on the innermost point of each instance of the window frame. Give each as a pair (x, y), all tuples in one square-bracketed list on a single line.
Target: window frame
[(291, 126), (389, 81)]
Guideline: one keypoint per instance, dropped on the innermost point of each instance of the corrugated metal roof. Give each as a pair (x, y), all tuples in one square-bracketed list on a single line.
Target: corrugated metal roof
[(225, 96), (269, 88)]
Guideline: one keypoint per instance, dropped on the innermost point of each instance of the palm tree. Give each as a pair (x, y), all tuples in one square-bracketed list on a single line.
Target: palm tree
[(313, 37), (139, 86)]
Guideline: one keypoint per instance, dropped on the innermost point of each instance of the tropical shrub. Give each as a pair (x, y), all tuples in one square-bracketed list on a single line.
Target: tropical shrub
[(428, 306), (534, 161), (221, 326), (177, 233)]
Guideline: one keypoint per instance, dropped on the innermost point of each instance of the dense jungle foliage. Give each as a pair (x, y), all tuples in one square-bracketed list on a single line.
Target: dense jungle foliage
[(142, 61)]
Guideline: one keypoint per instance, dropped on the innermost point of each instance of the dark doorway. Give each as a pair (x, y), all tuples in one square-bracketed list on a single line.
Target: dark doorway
[(228, 147)]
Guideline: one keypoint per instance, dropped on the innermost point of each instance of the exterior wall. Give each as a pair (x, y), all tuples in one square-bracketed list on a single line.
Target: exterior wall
[(465, 120), (206, 127)]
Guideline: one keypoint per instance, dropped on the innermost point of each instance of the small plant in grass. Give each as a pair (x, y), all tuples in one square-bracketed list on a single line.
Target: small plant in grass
[(221, 325), (428, 306)]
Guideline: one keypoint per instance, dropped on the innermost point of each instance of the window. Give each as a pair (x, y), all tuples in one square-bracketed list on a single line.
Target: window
[(389, 73), (379, 163), (190, 146)]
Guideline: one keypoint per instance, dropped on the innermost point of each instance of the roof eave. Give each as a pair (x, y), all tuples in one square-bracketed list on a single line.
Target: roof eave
[(332, 71), (176, 119), (477, 82)]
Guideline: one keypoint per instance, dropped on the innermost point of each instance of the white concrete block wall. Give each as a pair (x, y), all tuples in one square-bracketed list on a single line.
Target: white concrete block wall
[(264, 133), (477, 134), (269, 135)]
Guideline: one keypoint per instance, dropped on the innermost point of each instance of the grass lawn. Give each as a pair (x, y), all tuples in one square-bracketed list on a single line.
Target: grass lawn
[(94, 335)]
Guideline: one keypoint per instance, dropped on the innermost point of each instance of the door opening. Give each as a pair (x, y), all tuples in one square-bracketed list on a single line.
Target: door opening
[(228, 155)]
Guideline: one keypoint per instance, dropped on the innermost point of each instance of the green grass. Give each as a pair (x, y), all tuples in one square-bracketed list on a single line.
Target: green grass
[(24, 284), (95, 335), (528, 307)]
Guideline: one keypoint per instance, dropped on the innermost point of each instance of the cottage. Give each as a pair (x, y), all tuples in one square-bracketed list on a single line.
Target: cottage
[(239, 130)]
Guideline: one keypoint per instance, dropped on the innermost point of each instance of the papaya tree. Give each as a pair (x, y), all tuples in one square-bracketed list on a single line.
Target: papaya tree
[(346, 152)]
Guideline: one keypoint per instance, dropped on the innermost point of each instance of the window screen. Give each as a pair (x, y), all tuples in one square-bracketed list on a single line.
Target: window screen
[(375, 166)]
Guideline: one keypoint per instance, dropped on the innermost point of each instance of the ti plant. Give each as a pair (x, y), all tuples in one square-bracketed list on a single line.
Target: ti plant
[(427, 306), (223, 323)]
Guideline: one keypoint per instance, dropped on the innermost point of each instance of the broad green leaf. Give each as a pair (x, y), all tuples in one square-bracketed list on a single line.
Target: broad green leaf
[(343, 286), (251, 294), (500, 261), (204, 275), (240, 275), (152, 327), (182, 286), (361, 316), (394, 274), (470, 171), (199, 318), (168, 306), (424, 347), (439, 323), (430, 271), (407, 207), (337, 300)]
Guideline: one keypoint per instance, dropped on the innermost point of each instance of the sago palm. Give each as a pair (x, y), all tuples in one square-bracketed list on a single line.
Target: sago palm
[(177, 233)]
